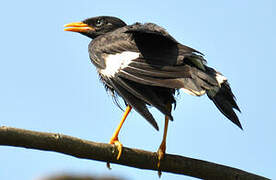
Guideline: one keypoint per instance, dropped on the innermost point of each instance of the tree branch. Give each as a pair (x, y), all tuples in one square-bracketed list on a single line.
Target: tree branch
[(130, 157)]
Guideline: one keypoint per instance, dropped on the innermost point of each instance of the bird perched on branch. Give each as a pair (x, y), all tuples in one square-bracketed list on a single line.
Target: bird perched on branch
[(145, 65)]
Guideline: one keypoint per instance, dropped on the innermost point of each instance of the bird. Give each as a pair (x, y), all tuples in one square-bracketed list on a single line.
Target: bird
[(145, 66)]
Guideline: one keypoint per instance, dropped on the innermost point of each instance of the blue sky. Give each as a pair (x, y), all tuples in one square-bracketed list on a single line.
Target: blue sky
[(48, 84)]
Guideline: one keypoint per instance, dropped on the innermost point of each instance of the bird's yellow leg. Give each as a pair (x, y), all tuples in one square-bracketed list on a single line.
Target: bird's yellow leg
[(114, 139), (162, 148)]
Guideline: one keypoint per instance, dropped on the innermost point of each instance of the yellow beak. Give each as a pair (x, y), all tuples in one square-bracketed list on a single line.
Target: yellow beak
[(78, 27)]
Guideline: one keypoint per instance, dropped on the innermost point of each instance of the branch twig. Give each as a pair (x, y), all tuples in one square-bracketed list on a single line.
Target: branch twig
[(130, 157)]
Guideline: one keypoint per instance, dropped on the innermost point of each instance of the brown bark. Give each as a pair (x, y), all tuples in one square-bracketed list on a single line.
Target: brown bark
[(130, 157)]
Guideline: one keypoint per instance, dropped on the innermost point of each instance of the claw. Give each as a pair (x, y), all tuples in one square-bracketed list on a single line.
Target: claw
[(118, 145), (161, 153)]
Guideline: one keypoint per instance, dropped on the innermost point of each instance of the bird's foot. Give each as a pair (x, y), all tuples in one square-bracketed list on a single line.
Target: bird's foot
[(114, 140), (119, 146), (160, 155)]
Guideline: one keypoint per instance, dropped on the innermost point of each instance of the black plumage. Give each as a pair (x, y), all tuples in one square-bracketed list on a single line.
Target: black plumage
[(145, 65)]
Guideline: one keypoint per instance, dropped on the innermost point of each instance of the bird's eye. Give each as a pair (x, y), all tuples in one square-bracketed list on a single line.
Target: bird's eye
[(99, 22)]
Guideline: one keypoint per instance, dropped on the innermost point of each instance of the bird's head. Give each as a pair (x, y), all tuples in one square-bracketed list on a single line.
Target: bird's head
[(96, 26)]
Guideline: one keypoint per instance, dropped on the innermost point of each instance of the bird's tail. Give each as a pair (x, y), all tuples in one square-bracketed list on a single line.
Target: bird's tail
[(224, 99)]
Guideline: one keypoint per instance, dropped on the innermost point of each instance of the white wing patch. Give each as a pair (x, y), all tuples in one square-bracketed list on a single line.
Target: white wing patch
[(115, 62), (220, 78), (193, 93)]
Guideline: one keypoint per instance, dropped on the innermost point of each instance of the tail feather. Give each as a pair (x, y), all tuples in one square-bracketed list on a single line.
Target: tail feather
[(224, 99)]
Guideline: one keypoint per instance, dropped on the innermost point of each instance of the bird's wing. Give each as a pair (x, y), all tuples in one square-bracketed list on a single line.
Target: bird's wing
[(151, 31), (146, 57), (164, 62), (167, 63)]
